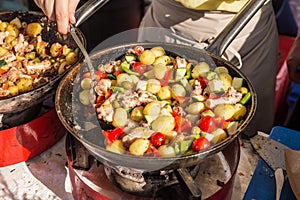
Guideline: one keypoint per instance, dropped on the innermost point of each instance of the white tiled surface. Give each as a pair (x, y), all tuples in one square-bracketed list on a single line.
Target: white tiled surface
[(45, 176)]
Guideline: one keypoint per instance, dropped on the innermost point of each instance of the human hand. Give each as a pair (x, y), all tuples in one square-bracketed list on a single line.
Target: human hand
[(293, 60), (61, 11)]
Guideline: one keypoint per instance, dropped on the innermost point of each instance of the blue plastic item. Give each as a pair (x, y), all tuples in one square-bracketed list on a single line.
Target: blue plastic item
[(262, 185)]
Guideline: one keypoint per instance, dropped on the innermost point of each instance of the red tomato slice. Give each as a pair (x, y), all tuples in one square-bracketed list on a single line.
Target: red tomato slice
[(207, 124), (200, 144)]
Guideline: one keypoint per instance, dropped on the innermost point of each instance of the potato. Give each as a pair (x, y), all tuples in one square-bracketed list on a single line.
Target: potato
[(86, 83), (153, 86), (160, 70), (200, 70), (139, 146), (84, 97), (120, 117), (221, 69), (218, 135), (34, 28), (165, 93), (25, 84), (163, 124), (3, 51), (178, 91), (147, 57), (16, 22), (152, 109), (55, 49), (239, 111), (71, 58), (226, 79), (166, 151), (195, 108), (116, 147), (13, 90), (13, 30), (3, 26), (224, 110), (165, 60), (122, 78), (158, 51), (137, 114)]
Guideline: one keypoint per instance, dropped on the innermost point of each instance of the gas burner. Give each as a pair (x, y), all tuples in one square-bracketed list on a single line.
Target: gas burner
[(90, 179)]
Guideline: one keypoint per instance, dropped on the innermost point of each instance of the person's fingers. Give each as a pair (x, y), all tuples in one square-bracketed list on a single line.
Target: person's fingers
[(72, 8), (47, 6), (62, 15)]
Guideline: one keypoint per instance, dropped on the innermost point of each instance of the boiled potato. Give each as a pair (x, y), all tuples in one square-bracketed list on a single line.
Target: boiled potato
[(163, 124), (165, 93), (34, 28), (16, 22), (55, 49), (226, 79), (218, 135), (120, 117), (152, 109), (3, 26), (71, 58), (3, 51), (84, 97), (25, 84), (221, 69), (158, 51), (139, 146), (165, 60), (166, 151), (153, 86), (137, 114), (195, 108), (200, 70), (224, 110), (122, 78), (239, 111), (147, 57), (116, 147), (160, 70), (86, 83), (178, 91), (13, 90), (13, 30)]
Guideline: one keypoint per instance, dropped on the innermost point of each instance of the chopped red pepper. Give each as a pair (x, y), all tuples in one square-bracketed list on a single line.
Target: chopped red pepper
[(2, 71), (112, 135), (5, 85), (203, 81), (165, 80), (138, 49), (100, 75)]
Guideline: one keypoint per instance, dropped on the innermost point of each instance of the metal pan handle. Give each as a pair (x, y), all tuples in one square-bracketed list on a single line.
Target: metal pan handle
[(87, 10), (234, 27)]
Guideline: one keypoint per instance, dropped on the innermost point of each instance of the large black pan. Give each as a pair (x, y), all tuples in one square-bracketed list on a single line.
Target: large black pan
[(69, 114), (51, 35)]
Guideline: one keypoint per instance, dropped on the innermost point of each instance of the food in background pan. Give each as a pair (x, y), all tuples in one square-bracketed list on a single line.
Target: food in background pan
[(165, 105), (26, 61)]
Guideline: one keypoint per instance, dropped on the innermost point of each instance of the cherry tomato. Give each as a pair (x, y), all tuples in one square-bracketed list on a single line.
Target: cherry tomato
[(200, 144), (138, 50), (207, 124), (158, 139), (139, 67)]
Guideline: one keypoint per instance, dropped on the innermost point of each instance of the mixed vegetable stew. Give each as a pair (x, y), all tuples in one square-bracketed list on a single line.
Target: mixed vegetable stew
[(26, 60), (165, 105)]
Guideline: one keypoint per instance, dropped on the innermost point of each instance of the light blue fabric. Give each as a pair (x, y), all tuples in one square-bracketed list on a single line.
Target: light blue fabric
[(12, 5)]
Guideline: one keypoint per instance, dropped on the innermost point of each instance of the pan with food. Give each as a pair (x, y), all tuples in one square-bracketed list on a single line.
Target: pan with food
[(159, 105), (33, 57)]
